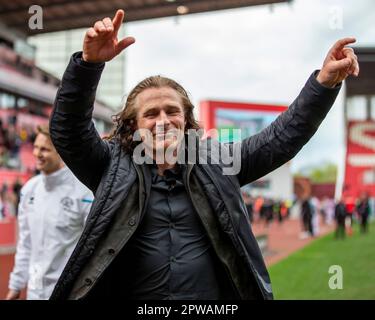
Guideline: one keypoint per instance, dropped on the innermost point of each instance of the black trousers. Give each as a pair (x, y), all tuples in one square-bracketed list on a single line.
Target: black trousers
[(364, 223), (340, 229)]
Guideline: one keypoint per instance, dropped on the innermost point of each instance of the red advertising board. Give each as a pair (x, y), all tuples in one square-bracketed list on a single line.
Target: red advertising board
[(234, 121), (250, 118), (360, 159)]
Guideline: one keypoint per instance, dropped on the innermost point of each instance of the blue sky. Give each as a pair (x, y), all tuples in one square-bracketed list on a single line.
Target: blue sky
[(256, 54)]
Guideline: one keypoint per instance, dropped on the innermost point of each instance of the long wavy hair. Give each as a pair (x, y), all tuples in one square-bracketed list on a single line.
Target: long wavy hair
[(126, 120)]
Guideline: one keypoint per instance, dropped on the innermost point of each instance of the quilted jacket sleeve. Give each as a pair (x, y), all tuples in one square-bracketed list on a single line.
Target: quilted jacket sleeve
[(72, 130), (285, 137)]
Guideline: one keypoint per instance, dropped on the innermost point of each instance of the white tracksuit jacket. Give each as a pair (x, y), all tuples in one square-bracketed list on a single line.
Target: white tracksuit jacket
[(52, 212)]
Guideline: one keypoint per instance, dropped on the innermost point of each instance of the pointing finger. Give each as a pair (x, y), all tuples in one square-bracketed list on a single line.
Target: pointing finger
[(340, 44), (118, 19)]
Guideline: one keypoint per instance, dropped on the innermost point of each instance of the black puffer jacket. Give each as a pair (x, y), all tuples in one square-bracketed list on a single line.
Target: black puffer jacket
[(114, 177)]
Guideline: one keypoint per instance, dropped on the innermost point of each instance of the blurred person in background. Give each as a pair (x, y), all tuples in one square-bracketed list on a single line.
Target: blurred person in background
[(307, 213), (17, 186), (323, 210), (267, 212), (340, 217), (14, 147), (315, 207), (258, 205), (2, 213), (363, 210), (328, 205), (350, 211), (4, 156), (52, 211), (4, 198)]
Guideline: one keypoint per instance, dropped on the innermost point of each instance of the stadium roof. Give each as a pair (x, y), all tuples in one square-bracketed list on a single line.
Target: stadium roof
[(16, 83), (71, 14)]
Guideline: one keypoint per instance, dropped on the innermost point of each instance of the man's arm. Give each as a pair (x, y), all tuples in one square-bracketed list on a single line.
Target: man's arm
[(71, 127), (20, 274), (72, 130), (284, 138)]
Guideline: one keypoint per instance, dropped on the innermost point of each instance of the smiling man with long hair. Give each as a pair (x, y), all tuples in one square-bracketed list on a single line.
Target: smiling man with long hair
[(172, 229)]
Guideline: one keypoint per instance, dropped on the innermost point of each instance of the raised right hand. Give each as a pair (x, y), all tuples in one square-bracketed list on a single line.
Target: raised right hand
[(340, 63), (101, 43)]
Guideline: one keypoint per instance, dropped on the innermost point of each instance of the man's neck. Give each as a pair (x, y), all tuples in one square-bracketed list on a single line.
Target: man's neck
[(163, 167), (48, 173)]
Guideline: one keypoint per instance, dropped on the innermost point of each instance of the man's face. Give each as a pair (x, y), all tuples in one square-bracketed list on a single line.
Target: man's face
[(47, 158), (160, 111)]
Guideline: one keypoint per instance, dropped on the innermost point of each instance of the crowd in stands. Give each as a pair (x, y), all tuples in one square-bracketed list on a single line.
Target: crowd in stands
[(9, 198), (12, 138)]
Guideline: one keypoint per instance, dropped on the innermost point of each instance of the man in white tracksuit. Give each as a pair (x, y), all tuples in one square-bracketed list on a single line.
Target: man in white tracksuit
[(52, 212)]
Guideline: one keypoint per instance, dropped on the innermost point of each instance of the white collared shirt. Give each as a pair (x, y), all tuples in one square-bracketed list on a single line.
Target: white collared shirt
[(52, 213)]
